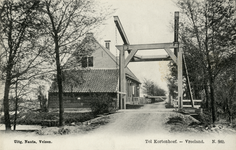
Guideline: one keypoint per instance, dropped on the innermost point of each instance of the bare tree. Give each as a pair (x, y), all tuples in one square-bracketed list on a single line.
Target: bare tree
[(66, 21), (19, 32)]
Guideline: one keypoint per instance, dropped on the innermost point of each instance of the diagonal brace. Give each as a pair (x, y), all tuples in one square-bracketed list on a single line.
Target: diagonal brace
[(171, 54), (130, 56)]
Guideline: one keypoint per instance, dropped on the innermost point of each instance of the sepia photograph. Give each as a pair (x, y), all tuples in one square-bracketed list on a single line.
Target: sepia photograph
[(117, 74)]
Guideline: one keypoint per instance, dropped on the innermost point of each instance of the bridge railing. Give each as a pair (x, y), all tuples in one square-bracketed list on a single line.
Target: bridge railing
[(137, 100), (129, 100), (187, 103)]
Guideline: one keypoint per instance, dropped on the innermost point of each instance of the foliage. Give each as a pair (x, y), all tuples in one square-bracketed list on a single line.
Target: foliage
[(172, 85), (168, 105), (102, 103), (20, 55), (63, 131), (20, 30), (129, 106), (205, 118), (226, 94), (151, 88), (175, 120), (207, 31), (42, 98), (28, 29), (65, 23), (77, 117), (37, 118)]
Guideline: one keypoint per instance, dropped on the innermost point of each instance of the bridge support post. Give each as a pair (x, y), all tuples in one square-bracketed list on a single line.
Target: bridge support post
[(180, 78), (122, 81)]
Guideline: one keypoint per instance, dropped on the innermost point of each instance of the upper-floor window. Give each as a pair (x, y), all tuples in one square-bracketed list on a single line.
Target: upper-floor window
[(87, 62)]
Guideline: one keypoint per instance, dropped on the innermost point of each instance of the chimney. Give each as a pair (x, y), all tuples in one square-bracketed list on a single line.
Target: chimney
[(107, 44), (89, 34)]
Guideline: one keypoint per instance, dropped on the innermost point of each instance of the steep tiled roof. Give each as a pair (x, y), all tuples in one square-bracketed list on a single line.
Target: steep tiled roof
[(94, 80)]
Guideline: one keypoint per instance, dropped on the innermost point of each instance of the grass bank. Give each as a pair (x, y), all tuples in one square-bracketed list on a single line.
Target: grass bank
[(50, 118)]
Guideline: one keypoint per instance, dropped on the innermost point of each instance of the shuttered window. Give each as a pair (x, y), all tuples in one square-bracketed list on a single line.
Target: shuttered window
[(84, 62)]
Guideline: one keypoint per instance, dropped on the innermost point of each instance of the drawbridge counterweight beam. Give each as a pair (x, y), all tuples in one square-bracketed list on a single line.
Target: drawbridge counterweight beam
[(121, 30)]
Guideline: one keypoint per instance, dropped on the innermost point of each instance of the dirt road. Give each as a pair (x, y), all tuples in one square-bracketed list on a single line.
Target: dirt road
[(127, 130), (148, 119)]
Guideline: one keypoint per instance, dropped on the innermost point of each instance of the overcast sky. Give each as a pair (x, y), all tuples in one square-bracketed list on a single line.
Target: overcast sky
[(144, 21)]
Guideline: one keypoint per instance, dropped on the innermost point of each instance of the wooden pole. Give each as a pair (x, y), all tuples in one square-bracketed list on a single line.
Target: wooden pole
[(122, 79), (178, 52), (118, 95), (176, 31), (180, 79), (124, 96), (188, 82)]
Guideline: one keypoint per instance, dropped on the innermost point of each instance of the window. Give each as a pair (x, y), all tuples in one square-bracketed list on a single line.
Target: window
[(87, 62), (90, 61)]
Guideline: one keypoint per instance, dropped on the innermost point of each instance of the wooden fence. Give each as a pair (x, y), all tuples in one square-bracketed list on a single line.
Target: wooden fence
[(187, 103)]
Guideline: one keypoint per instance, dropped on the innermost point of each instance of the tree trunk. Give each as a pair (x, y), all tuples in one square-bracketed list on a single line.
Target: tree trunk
[(6, 101), (40, 101), (16, 106), (16, 109), (205, 82), (59, 82), (213, 107), (209, 69), (59, 74), (195, 91), (207, 94), (228, 110)]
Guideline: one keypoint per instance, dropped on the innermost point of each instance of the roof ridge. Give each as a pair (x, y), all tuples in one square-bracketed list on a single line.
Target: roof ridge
[(113, 57), (103, 69), (108, 52)]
